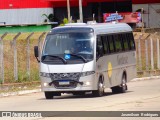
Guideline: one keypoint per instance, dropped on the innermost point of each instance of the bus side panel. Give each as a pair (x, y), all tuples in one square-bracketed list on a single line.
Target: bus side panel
[(113, 66), (127, 62), (101, 69), (131, 69)]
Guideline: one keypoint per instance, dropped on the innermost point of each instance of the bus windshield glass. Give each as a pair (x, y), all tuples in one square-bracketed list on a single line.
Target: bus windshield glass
[(72, 47)]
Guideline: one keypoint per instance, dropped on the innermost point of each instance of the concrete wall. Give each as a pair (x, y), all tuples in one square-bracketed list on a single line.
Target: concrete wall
[(151, 15), (24, 16)]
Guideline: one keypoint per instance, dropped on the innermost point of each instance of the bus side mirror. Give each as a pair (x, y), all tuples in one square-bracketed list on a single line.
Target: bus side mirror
[(36, 53), (99, 51)]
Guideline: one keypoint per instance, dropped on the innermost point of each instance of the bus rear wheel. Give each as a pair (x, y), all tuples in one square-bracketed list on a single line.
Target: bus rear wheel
[(121, 88)]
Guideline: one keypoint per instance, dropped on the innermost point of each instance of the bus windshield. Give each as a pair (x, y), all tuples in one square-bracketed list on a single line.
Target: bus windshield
[(72, 47)]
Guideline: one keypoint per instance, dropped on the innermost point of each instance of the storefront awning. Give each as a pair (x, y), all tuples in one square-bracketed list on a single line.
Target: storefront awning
[(145, 1), (63, 3), (87, 0)]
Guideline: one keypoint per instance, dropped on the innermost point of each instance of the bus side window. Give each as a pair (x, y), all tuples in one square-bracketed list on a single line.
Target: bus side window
[(111, 43), (125, 42), (99, 48), (131, 41), (118, 43), (105, 44)]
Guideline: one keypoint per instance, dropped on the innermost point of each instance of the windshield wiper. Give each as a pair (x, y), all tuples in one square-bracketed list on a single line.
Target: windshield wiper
[(64, 61), (79, 56)]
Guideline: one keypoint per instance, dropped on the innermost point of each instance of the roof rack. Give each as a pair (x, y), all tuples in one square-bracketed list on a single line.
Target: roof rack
[(75, 24), (91, 22)]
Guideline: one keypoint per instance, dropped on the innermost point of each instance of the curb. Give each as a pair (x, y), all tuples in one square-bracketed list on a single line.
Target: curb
[(39, 90), (145, 78), (19, 93)]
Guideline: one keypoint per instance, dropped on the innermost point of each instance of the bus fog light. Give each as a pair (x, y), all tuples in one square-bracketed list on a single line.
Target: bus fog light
[(45, 84), (88, 83)]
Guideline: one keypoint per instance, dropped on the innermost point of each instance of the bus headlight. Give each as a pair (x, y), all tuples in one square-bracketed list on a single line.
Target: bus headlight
[(45, 74), (87, 73), (45, 84), (88, 83)]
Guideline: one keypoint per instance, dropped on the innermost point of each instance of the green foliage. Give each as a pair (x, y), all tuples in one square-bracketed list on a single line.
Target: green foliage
[(65, 21), (35, 74), (49, 17), (22, 77), (1, 81), (21, 58)]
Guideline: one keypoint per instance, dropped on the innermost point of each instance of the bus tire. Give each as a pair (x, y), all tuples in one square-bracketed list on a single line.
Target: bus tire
[(48, 95), (115, 89), (100, 91), (123, 86)]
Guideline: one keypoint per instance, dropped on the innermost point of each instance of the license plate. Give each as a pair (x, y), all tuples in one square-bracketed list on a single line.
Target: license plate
[(64, 83)]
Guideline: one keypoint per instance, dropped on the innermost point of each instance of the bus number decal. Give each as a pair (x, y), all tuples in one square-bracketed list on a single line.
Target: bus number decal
[(122, 60)]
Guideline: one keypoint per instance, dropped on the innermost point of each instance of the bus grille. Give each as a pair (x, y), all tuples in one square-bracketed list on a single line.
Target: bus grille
[(62, 76), (72, 78), (72, 84)]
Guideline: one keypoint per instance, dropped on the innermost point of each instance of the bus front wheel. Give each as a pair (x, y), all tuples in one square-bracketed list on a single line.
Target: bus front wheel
[(100, 91), (48, 95)]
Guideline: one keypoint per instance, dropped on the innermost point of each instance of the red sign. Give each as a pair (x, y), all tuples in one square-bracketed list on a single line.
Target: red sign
[(126, 17)]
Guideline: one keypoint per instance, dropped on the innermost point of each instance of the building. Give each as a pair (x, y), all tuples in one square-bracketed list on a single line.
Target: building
[(151, 14), (90, 7), (31, 11), (24, 11)]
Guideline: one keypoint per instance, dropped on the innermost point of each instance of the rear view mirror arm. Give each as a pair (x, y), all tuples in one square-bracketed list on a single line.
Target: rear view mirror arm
[(38, 60)]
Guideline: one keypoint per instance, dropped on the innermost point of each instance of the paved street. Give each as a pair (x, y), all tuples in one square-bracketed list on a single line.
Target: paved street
[(141, 96)]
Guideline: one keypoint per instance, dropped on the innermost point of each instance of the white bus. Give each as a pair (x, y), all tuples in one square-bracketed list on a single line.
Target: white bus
[(80, 58)]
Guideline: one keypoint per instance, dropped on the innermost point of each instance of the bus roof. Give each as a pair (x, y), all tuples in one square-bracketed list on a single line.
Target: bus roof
[(98, 28)]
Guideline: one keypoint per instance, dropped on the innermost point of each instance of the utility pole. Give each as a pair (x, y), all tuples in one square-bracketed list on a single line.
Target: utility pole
[(68, 10), (142, 20), (80, 11)]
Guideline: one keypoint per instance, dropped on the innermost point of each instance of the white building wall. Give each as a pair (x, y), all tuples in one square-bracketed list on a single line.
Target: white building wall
[(151, 15), (24, 16)]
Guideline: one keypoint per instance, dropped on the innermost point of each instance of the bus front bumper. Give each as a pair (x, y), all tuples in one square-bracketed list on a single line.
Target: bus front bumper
[(87, 83)]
